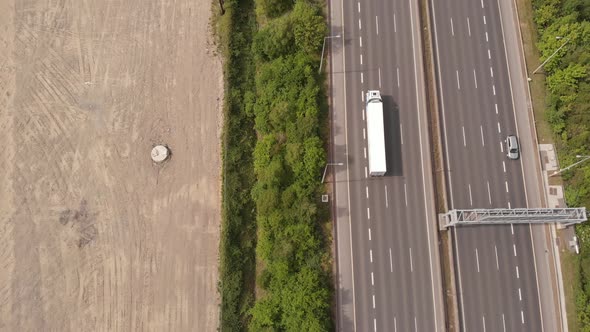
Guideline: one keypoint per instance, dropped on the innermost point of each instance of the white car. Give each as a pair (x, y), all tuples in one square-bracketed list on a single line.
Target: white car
[(512, 147)]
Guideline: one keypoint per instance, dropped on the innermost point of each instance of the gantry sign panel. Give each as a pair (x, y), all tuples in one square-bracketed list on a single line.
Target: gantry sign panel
[(564, 216)]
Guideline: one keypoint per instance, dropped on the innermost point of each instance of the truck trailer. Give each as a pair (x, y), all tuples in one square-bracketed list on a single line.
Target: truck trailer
[(375, 134)]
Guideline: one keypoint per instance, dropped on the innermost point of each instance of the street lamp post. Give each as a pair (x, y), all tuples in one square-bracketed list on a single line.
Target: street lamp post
[(324, 46), (584, 158), (326, 168), (552, 55)]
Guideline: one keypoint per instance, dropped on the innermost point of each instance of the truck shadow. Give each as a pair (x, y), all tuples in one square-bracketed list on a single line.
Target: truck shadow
[(393, 141)]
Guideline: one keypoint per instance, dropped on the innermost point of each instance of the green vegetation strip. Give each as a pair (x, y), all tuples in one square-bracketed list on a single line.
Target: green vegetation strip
[(564, 26), (275, 266)]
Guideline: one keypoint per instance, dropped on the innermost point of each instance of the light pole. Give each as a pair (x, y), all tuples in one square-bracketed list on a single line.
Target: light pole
[(584, 158), (551, 56), (324, 46), (326, 168)]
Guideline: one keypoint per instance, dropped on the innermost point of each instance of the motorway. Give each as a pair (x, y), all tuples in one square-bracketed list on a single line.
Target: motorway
[(494, 265), (388, 265)]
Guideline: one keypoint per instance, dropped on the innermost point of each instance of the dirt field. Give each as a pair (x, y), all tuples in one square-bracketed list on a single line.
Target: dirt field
[(93, 236)]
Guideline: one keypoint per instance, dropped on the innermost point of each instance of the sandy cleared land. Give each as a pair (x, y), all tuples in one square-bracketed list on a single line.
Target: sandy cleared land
[(93, 236)]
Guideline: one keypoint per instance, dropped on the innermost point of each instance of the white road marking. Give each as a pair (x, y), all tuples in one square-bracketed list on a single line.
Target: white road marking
[(468, 27), (502, 147), (373, 301), (360, 27), (512, 228), (386, 199), (361, 41), (477, 259), (398, 77), (481, 3), (371, 254), (452, 28), (362, 78), (506, 182), (522, 316), (375, 324), (497, 263), (496, 106), (373, 284), (369, 233), (415, 324), (499, 129), (401, 133), (475, 78), (361, 58), (394, 24), (484, 20), (363, 114), (470, 198), (517, 273), (364, 133), (367, 191), (363, 98), (464, 140), (377, 24), (489, 55), (509, 205), (365, 149), (379, 76), (504, 322), (483, 321), (514, 247), (458, 84), (519, 294), (489, 193), (494, 88), (491, 72), (359, 6), (394, 324), (390, 261), (483, 143), (369, 216), (365, 171), (487, 39), (411, 263), (504, 166), (406, 194)]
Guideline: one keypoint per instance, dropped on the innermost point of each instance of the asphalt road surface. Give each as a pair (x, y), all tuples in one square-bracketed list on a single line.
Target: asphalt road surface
[(389, 277), (495, 265)]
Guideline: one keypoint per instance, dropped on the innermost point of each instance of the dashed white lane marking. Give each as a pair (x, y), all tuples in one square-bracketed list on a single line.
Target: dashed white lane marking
[(494, 88), (483, 143), (522, 317), (499, 129), (517, 273), (361, 41), (452, 28), (364, 134), (360, 27), (365, 172), (401, 133), (386, 199), (489, 55), (379, 76), (458, 84), (363, 113), (506, 182), (484, 20), (390, 261), (504, 166), (477, 259), (367, 191), (371, 255), (394, 324), (373, 301), (362, 78), (464, 140), (496, 106), (491, 72), (514, 248), (375, 324), (489, 193), (497, 262), (502, 147), (475, 78), (483, 321), (369, 233), (363, 99), (415, 324), (519, 294), (373, 283), (504, 322), (411, 263), (359, 6), (481, 3), (487, 39), (361, 58), (365, 152), (377, 24), (509, 205), (470, 198), (369, 216), (394, 24), (406, 194), (512, 229), (468, 27), (398, 77)]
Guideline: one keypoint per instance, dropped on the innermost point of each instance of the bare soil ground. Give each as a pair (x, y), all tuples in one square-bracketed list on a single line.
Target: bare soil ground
[(93, 235)]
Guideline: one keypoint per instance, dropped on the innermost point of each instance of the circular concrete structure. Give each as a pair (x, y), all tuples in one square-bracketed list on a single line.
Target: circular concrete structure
[(160, 153)]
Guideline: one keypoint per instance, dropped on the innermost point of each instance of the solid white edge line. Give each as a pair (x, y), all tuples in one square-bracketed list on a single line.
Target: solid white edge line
[(459, 275), (427, 219)]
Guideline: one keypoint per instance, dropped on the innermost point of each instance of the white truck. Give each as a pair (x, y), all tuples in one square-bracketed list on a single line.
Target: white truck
[(376, 134)]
